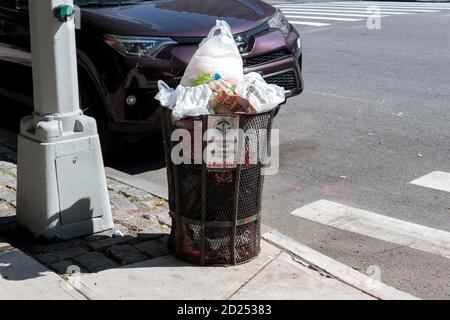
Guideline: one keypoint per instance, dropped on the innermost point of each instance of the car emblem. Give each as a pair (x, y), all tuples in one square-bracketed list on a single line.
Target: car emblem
[(242, 43)]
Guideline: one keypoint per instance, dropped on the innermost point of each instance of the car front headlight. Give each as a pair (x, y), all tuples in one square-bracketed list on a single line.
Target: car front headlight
[(146, 47), (279, 21)]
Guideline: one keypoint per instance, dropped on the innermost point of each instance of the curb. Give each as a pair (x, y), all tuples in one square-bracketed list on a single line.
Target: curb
[(137, 183), (336, 269)]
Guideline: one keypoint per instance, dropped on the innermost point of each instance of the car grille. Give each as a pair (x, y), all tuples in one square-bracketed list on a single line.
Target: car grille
[(266, 58), (287, 80)]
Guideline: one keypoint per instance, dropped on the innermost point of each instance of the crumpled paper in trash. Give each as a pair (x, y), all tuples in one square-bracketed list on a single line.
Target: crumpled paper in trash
[(251, 95), (263, 97), (185, 101)]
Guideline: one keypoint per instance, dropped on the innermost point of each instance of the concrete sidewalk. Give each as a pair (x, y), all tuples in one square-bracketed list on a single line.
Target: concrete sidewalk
[(273, 275), (277, 274), (23, 278)]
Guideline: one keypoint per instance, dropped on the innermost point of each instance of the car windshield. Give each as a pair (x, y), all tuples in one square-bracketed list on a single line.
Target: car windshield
[(106, 2)]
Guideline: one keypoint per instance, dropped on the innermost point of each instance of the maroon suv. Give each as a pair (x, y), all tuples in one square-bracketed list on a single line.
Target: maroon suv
[(125, 47)]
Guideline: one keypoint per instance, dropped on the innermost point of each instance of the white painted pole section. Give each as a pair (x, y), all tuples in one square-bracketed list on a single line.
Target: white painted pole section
[(54, 60), (61, 182)]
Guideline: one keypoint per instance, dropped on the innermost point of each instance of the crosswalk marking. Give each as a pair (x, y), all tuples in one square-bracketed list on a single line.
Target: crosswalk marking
[(354, 7), (308, 23), (419, 9), (365, 4), (340, 14), (387, 5), (396, 2), (377, 226), (392, 4), (327, 18), (342, 9), (350, 11), (343, 13), (360, 4), (436, 180)]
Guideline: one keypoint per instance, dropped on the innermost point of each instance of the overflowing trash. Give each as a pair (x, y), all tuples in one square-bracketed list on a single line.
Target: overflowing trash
[(215, 203), (214, 82)]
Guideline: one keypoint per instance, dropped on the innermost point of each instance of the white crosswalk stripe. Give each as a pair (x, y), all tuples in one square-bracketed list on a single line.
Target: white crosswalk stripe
[(365, 5), (393, 4), (336, 14), (340, 11), (327, 18), (436, 180), (385, 4), (377, 226), (350, 11), (364, 9), (307, 23)]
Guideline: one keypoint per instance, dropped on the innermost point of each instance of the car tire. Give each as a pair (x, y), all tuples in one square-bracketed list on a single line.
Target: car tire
[(111, 143)]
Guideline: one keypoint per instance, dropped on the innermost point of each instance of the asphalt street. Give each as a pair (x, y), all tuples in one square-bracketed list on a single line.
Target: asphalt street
[(374, 117), (375, 110)]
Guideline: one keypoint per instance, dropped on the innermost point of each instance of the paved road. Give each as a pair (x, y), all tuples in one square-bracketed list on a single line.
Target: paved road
[(375, 111)]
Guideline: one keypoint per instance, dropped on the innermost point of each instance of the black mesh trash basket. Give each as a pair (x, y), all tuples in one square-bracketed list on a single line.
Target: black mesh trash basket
[(216, 212)]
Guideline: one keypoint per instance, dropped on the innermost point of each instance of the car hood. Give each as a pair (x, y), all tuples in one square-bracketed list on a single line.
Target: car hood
[(177, 18)]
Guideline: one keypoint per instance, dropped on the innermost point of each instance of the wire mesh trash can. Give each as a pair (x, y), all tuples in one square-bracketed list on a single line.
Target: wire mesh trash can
[(216, 212)]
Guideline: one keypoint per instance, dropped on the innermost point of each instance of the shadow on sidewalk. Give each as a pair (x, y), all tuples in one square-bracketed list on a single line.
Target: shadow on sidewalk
[(13, 267), (91, 254)]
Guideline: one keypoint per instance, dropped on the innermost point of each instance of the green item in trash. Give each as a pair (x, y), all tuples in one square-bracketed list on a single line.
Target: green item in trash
[(206, 78)]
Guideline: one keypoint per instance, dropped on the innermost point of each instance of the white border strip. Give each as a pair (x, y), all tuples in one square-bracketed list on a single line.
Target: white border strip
[(350, 9), (343, 6), (377, 226), (340, 14), (437, 180), (308, 23), (325, 18), (344, 11)]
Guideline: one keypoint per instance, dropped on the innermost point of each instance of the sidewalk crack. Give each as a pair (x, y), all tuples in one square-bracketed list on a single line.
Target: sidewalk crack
[(255, 275)]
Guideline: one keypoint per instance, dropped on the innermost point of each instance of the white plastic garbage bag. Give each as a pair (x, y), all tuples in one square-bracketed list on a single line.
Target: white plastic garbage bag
[(261, 95), (184, 102), (218, 53)]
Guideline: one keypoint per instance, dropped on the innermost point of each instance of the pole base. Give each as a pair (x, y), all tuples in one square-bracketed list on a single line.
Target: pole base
[(61, 184)]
